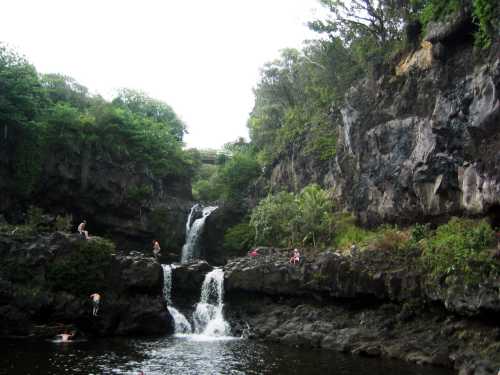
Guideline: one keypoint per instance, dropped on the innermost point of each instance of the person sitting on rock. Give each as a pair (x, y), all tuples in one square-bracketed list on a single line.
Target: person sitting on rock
[(82, 231), (156, 248), (295, 257), (253, 253), (96, 299)]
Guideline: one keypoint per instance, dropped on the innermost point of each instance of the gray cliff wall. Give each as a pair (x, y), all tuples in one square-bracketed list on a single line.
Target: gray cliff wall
[(419, 143)]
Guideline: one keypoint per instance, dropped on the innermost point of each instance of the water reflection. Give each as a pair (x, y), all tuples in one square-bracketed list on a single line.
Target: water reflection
[(188, 356)]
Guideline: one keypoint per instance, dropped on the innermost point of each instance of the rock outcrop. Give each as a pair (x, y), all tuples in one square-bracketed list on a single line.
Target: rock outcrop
[(372, 303), (47, 280), (371, 275)]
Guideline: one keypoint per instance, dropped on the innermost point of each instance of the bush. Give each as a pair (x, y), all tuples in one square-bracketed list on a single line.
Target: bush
[(84, 270), (347, 233), (64, 223), (458, 248), (239, 238), (287, 219), (391, 238)]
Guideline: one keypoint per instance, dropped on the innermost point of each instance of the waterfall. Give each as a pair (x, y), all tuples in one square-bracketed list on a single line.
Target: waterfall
[(190, 250), (188, 222), (208, 318), (182, 325)]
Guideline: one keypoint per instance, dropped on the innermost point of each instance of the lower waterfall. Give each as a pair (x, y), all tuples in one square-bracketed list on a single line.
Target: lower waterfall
[(208, 319), (181, 324)]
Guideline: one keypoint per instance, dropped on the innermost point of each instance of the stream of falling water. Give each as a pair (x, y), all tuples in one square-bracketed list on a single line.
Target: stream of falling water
[(208, 318), (190, 250)]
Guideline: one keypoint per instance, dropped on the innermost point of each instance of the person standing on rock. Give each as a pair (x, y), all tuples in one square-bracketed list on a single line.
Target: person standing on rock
[(96, 300), (156, 249), (82, 231)]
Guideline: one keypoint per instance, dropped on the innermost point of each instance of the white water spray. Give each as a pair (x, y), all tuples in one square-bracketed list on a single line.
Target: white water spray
[(208, 318), (182, 325), (190, 250)]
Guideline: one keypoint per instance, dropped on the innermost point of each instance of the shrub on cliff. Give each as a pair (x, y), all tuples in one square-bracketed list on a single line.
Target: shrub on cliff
[(84, 270), (238, 239), (459, 248), (294, 219)]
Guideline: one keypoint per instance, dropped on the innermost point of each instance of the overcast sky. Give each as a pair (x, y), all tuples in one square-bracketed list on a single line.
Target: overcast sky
[(201, 57)]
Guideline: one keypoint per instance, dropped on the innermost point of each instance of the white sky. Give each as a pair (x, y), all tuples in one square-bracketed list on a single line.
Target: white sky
[(201, 57)]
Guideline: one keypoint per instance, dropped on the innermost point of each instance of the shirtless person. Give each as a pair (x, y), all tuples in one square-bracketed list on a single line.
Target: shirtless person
[(96, 299), (156, 248), (82, 231)]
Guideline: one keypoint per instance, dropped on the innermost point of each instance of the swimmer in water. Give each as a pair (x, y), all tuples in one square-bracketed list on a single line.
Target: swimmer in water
[(65, 337)]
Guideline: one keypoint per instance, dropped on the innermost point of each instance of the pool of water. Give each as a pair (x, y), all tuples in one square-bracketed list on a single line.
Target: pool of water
[(189, 355)]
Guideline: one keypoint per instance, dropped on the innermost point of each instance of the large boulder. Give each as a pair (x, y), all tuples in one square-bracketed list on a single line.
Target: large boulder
[(187, 280)]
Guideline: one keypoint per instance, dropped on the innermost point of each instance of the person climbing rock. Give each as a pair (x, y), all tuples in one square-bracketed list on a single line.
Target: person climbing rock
[(82, 231), (156, 249), (96, 300), (295, 256)]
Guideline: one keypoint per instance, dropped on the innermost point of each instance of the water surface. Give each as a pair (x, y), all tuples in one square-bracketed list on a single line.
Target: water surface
[(189, 355)]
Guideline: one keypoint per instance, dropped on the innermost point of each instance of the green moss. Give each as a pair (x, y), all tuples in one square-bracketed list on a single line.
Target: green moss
[(84, 270)]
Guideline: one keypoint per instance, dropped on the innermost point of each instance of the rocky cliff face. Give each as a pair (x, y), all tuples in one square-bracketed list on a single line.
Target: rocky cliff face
[(119, 198), (420, 142), (47, 281)]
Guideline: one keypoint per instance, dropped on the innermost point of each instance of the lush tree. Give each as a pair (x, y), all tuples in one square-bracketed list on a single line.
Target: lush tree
[(22, 100), (144, 106), (237, 175)]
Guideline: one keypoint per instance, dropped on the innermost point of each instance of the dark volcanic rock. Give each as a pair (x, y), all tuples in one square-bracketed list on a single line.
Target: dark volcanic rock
[(187, 281), (216, 225), (371, 275), (419, 144), (31, 293)]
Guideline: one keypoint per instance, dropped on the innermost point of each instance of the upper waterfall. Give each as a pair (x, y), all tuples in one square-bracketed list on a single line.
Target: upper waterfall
[(191, 250)]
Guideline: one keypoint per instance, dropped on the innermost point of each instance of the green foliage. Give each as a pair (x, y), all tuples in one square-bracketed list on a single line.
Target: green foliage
[(486, 15), (207, 190), (316, 219), (35, 217), (84, 270), (347, 233), (295, 99), (54, 116), (439, 10), (274, 220), (459, 248), (237, 174), (291, 219), (392, 238), (21, 101), (139, 194), (239, 238), (63, 223)]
